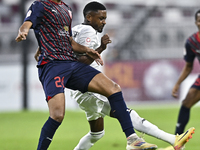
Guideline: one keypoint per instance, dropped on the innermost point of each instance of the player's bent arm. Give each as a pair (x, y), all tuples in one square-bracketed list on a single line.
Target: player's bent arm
[(23, 31), (77, 47), (88, 51), (104, 41), (85, 59), (88, 60)]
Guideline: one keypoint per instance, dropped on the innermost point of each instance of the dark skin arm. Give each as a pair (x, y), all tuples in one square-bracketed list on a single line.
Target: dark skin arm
[(185, 72), (104, 41), (85, 58), (91, 55), (88, 51)]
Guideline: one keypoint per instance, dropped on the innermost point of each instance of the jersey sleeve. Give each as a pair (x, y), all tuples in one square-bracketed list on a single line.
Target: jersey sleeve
[(35, 13), (188, 53)]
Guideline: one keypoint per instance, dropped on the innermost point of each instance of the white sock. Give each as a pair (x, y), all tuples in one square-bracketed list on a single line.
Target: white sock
[(87, 141), (145, 126)]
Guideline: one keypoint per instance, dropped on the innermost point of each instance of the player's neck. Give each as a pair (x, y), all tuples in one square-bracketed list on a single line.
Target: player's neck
[(86, 23)]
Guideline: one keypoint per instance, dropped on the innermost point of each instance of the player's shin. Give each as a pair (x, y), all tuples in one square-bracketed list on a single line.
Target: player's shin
[(142, 125), (119, 109), (47, 133), (183, 118)]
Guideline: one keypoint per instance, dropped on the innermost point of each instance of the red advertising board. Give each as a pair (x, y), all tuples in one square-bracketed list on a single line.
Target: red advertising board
[(146, 80)]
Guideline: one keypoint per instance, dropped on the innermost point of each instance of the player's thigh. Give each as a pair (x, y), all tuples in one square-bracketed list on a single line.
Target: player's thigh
[(53, 76), (192, 97), (103, 85), (57, 107), (80, 77)]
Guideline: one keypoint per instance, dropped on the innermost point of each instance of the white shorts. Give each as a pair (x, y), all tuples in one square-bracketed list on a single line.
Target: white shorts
[(94, 105)]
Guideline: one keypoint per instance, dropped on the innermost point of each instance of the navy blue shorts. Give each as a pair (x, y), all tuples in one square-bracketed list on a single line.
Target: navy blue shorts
[(56, 75), (196, 84)]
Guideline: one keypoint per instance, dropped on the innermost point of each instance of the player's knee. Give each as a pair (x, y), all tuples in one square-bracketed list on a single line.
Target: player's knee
[(116, 88), (96, 136), (58, 117), (187, 103)]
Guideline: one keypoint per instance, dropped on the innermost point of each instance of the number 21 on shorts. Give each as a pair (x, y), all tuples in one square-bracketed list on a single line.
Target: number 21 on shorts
[(59, 82)]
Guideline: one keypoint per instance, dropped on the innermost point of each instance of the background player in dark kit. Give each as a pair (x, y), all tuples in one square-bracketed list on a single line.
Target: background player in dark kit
[(192, 47)]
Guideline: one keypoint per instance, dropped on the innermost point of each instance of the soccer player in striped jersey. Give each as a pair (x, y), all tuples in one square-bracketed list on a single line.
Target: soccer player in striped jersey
[(192, 50), (58, 68), (95, 105)]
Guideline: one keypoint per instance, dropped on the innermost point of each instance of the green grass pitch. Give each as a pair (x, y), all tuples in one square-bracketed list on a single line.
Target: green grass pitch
[(20, 130)]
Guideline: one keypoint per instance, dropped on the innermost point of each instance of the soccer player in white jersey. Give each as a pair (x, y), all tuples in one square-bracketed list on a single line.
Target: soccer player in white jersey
[(97, 106)]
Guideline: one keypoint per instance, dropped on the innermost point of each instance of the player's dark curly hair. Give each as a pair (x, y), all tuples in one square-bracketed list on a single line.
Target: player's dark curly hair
[(196, 14), (93, 6)]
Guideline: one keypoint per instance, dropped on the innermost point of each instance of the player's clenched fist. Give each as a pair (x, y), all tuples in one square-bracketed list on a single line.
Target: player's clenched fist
[(104, 41)]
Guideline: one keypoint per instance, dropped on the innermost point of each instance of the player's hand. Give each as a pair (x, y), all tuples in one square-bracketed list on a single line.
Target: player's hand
[(95, 55), (37, 54), (21, 36), (104, 41), (175, 91), (23, 31)]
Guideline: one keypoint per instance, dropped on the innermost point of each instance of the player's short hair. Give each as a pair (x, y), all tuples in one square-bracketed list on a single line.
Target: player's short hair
[(196, 14), (93, 6)]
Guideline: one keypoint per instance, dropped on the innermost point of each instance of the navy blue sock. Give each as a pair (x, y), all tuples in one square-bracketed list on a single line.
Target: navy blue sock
[(119, 110), (47, 133), (183, 118)]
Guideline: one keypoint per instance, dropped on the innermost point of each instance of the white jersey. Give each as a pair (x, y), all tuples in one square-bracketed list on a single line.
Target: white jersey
[(94, 105), (86, 35)]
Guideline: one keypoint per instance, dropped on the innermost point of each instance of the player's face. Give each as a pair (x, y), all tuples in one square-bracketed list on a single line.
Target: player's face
[(98, 20), (198, 21)]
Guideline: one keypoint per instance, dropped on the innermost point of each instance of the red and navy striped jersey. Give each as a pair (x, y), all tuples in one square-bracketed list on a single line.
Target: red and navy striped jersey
[(52, 27), (192, 48)]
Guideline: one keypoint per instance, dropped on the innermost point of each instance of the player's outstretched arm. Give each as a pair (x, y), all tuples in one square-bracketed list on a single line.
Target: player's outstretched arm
[(90, 52), (23, 31)]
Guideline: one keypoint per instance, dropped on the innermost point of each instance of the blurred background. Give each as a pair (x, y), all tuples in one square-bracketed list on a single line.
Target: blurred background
[(145, 57)]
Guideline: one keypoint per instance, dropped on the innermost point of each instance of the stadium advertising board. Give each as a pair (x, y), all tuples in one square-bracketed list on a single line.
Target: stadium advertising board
[(149, 80)]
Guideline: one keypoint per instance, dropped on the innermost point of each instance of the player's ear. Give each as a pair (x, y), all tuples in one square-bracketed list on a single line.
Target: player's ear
[(89, 17)]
